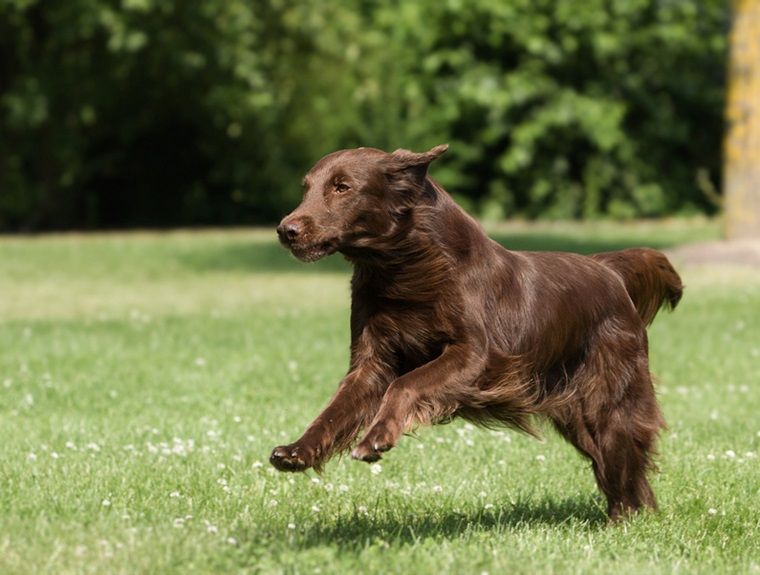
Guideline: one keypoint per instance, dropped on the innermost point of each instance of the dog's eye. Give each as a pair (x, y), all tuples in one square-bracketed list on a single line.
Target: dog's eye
[(341, 188)]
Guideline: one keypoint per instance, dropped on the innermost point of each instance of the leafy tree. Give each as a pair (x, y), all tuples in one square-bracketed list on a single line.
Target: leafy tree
[(567, 108), (140, 112)]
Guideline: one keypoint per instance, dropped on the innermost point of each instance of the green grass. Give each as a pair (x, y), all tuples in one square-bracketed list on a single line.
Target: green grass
[(144, 379)]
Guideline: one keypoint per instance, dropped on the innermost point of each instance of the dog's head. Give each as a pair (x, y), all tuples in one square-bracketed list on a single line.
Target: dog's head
[(352, 198)]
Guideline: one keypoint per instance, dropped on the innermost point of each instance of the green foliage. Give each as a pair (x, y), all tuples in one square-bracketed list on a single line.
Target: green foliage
[(157, 113)]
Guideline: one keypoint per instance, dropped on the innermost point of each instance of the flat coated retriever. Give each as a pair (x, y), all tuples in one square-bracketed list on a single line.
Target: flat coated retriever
[(445, 322)]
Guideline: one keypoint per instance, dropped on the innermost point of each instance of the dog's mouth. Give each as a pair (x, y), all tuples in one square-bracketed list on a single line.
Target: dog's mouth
[(314, 251)]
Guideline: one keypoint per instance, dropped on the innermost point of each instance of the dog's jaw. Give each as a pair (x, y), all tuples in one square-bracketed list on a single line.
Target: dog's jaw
[(313, 252)]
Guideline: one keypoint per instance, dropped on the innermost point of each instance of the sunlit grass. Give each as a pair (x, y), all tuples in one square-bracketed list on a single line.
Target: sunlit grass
[(144, 379)]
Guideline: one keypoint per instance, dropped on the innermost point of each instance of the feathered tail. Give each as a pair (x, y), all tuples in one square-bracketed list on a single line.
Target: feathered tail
[(649, 278)]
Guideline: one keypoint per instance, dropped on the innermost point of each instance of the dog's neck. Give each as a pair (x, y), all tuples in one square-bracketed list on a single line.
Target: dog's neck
[(411, 273), (416, 262)]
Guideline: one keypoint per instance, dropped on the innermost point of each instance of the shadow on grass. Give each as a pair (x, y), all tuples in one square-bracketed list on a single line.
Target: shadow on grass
[(358, 530), (261, 256)]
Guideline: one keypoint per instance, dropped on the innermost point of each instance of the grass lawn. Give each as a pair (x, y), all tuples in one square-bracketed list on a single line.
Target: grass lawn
[(144, 379)]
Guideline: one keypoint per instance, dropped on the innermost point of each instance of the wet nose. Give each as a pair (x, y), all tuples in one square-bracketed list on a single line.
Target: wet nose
[(289, 231)]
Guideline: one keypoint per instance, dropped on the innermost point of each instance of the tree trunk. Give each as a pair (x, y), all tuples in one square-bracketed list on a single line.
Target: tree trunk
[(742, 145)]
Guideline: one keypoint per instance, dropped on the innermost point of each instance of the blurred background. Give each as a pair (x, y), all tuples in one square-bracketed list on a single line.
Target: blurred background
[(148, 113)]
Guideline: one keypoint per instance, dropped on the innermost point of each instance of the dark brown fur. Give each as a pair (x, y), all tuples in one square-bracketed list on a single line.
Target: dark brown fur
[(445, 322)]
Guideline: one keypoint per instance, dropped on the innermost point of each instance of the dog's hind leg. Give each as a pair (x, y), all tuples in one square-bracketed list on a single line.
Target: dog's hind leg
[(626, 441), (618, 436)]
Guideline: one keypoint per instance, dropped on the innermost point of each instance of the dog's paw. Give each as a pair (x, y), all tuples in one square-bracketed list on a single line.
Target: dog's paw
[(371, 448), (291, 458)]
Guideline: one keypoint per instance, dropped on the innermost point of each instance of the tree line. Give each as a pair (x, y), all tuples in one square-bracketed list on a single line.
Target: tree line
[(150, 113)]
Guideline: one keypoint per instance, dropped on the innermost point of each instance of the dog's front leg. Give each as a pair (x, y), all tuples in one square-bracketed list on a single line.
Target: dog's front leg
[(351, 408), (423, 395)]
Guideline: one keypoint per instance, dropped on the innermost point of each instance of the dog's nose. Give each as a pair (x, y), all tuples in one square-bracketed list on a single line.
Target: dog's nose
[(289, 231)]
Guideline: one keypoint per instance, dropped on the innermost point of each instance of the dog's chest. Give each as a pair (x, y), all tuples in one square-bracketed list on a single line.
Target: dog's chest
[(409, 335)]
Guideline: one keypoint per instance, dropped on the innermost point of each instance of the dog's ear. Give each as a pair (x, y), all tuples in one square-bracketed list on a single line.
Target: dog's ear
[(413, 163)]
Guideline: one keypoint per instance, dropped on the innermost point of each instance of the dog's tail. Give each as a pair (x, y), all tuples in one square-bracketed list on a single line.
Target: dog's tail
[(649, 278)]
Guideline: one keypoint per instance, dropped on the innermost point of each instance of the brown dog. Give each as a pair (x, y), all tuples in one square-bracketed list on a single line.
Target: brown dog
[(445, 322)]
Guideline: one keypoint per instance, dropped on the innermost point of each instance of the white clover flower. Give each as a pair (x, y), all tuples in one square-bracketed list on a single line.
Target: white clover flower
[(105, 503), (712, 511), (437, 489), (211, 528), (362, 509), (315, 480), (237, 419), (174, 494), (291, 525), (179, 522), (488, 506), (315, 508), (71, 445), (540, 457), (257, 465), (31, 456), (273, 503), (343, 488), (730, 454), (376, 468), (231, 541), (200, 361)]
